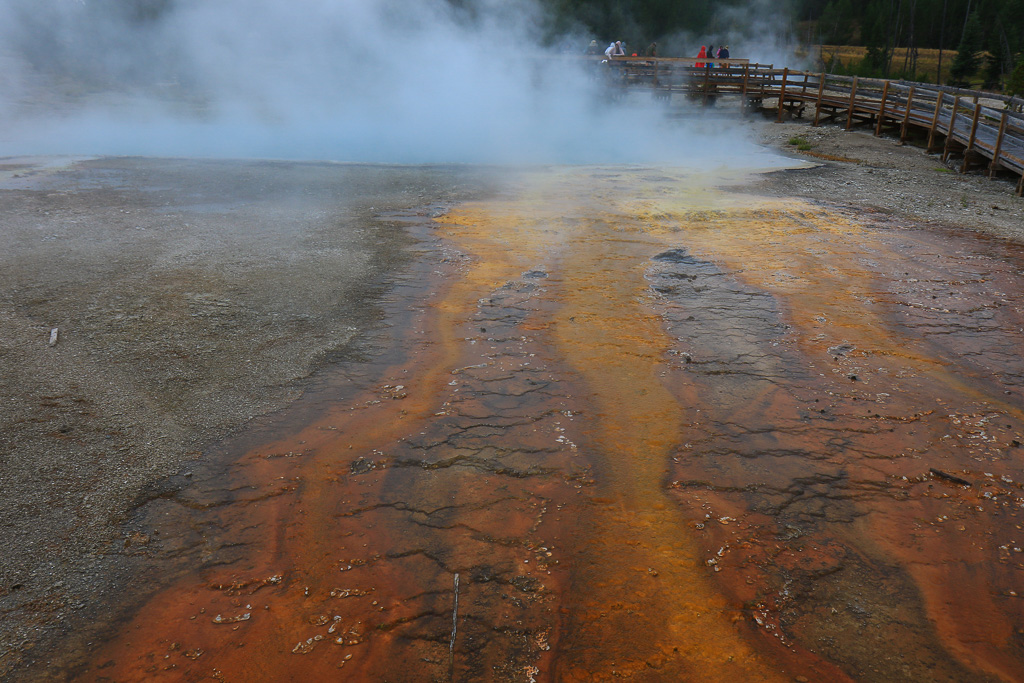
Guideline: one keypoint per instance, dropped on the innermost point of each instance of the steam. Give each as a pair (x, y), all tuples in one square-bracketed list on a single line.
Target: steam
[(758, 30), (348, 80)]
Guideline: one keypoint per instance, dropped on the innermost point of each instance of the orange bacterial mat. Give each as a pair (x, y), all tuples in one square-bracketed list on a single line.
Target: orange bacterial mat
[(627, 426)]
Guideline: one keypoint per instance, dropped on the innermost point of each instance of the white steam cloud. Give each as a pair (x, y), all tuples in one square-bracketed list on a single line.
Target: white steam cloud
[(759, 30), (348, 80)]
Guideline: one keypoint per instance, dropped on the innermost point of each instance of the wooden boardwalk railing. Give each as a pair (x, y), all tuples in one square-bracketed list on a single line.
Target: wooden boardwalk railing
[(984, 128)]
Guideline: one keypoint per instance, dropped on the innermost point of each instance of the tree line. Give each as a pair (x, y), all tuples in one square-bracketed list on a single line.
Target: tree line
[(981, 41), (986, 35)]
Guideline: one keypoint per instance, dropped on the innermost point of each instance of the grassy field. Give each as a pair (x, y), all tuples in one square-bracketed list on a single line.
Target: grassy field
[(927, 60)]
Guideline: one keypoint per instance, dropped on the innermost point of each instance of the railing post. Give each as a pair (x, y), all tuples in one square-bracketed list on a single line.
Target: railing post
[(743, 97), (817, 105), (974, 132), (707, 73), (782, 94), (881, 109), (935, 121), (853, 97), (999, 147), (906, 116), (948, 147)]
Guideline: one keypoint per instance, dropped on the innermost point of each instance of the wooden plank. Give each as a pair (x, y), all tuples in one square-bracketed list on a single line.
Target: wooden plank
[(673, 61)]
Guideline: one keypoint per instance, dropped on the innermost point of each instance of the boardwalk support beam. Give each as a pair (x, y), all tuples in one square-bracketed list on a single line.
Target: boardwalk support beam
[(853, 100), (782, 95), (881, 109), (951, 131), (994, 166), (970, 140), (817, 105), (906, 116), (935, 122)]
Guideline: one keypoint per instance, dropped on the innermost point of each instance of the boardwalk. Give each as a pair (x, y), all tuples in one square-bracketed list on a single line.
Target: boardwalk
[(983, 129)]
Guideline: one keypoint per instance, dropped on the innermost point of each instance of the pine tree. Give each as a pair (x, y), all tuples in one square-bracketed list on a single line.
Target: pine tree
[(1015, 84), (836, 22), (994, 64), (967, 61)]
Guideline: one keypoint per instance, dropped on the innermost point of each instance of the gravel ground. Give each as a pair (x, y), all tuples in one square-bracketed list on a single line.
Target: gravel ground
[(192, 296), (864, 172), (189, 297)]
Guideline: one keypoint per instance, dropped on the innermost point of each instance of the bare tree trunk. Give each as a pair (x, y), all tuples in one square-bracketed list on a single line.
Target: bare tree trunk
[(1007, 65), (911, 47), (966, 17), (942, 35), (890, 37)]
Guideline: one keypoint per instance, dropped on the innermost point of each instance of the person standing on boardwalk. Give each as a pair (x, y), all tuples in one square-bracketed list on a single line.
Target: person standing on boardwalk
[(723, 53), (703, 53), (711, 53), (652, 50)]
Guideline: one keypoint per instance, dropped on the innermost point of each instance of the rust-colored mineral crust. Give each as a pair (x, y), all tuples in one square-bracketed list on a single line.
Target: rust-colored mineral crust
[(629, 427)]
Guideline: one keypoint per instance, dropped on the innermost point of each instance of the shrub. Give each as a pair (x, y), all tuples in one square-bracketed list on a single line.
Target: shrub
[(967, 61), (1015, 83)]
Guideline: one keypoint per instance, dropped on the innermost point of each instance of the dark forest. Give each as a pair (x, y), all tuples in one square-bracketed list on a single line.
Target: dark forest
[(984, 38)]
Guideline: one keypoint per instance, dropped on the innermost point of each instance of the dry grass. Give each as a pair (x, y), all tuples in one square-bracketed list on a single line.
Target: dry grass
[(831, 157), (927, 60)]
